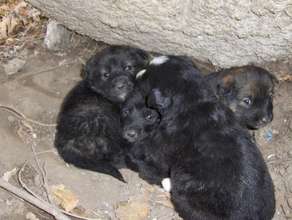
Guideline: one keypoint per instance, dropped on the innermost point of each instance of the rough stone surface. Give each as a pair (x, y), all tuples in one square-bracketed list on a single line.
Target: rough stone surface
[(13, 66), (225, 32), (57, 36)]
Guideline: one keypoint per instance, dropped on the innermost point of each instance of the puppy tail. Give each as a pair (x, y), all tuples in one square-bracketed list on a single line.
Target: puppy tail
[(107, 168), (100, 166)]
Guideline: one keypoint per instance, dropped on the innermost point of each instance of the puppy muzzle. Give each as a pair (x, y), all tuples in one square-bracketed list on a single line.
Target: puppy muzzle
[(131, 135)]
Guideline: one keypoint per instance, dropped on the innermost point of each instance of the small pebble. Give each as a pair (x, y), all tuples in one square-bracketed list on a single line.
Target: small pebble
[(268, 135), (11, 118), (8, 202), (31, 216), (270, 156), (57, 36)]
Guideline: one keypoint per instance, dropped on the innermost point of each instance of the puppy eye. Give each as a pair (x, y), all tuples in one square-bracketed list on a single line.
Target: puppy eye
[(247, 101), (125, 113), (149, 117), (128, 68), (106, 75)]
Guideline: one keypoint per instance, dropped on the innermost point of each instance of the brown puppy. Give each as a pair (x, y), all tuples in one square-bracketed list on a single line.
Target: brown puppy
[(248, 91)]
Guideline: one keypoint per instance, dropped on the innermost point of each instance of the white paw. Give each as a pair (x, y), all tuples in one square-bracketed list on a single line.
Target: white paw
[(166, 184), (140, 73), (158, 60)]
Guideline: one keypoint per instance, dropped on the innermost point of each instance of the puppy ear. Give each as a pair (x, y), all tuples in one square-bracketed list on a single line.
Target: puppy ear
[(88, 68), (157, 100), (226, 85), (143, 56)]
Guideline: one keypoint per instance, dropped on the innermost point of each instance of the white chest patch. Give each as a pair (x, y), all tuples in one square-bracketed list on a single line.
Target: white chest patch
[(166, 184), (159, 60), (140, 73)]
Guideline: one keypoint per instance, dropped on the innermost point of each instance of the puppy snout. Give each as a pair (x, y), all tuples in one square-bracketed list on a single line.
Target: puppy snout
[(120, 85), (131, 135), (264, 120), (267, 118), (123, 83)]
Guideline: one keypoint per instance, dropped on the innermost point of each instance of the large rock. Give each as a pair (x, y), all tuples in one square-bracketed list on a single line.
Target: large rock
[(225, 32)]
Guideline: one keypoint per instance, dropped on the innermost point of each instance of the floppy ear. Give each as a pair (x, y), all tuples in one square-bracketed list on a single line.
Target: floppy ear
[(89, 67), (143, 56), (156, 100), (226, 85)]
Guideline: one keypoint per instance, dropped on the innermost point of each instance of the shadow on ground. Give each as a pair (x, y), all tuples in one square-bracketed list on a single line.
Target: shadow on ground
[(37, 91)]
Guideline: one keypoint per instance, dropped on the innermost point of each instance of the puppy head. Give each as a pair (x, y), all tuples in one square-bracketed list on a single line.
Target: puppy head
[(137, 119), (112, 72), (158, 101), (248, 91)]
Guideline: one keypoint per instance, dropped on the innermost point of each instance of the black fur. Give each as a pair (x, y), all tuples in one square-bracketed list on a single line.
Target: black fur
[(138, 122), (88, 131), (216, 170), (248, 92)]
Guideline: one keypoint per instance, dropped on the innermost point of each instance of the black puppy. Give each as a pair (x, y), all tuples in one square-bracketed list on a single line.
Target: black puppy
[(88, 130), (138, 122), (216, 171), (248, 92), (137, 129)]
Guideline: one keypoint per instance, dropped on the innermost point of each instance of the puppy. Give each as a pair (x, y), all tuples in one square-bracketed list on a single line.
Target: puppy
[(248, 91), (216, 171), (138, 122), (88, 131)]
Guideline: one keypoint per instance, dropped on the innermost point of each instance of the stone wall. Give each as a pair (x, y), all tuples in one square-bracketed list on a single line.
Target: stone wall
[(225, 32)]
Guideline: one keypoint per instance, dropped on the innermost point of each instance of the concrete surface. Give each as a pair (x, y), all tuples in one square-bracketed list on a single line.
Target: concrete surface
[(37, 91), (227, 33)]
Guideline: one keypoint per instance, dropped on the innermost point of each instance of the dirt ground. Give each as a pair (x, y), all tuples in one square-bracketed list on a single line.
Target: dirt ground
[(36, 92)]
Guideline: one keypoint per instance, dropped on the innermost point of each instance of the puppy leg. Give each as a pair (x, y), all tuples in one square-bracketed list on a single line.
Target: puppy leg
[(166, 184)]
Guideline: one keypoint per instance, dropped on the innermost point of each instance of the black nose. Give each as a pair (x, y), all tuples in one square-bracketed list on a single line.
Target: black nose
[(264, 120), (131, 135), (121, 85)]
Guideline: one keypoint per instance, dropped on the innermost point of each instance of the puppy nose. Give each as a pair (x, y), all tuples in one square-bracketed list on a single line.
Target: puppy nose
[(120, 85), (264, 120), (131, 135)]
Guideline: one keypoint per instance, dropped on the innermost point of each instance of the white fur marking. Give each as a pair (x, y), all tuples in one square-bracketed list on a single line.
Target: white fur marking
[(166, 184), (159, 60), (140, 73)]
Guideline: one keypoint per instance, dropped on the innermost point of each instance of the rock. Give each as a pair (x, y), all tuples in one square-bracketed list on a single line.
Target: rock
[(227, 33), (14, 66), (31, 216), (133, 210), (64, 197), (136, 208), (57, 36)]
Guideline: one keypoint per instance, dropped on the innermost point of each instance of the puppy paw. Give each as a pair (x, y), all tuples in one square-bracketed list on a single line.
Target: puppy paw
[(140, 73), (159, 60), (166, 184)]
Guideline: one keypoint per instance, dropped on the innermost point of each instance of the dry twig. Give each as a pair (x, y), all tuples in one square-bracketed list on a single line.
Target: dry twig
[(31, 199), (38, 197), (21, 116)]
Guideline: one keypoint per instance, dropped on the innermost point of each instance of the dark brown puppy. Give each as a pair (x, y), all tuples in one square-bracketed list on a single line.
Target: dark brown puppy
[(248, 91)]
